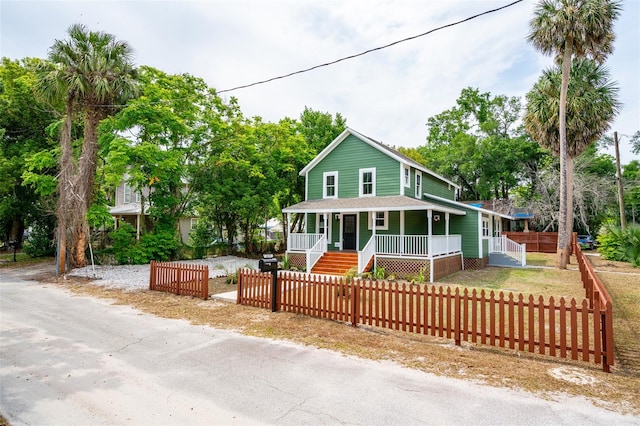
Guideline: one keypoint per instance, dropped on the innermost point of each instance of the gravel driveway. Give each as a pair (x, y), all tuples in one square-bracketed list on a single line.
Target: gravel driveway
[(136, 277)]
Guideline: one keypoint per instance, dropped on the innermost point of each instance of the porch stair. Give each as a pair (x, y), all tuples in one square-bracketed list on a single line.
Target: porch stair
[(500, 259), (335, 263)]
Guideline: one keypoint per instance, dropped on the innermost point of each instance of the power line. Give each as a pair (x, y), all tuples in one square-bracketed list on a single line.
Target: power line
[(326, 64)]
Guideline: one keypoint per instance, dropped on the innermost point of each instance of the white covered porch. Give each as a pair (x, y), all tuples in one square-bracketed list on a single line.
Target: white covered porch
[(375, 244)]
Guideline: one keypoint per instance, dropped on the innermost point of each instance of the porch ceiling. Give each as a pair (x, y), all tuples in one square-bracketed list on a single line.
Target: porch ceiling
[(368, 204)]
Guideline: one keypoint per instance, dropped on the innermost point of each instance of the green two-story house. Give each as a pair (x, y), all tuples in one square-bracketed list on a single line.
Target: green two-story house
[(367, 205)]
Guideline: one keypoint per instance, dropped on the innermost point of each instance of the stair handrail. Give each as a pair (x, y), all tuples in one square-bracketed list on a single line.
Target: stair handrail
[(516, 251), (368, 251), (315, 253)]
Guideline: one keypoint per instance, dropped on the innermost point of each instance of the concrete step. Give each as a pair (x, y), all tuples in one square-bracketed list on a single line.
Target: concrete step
[(499, 259)]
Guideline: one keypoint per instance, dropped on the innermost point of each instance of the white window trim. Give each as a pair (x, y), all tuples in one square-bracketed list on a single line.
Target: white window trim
[(324, 184), (487, 221), (406, 176), (373, 182), (384, 226), (327, 225), (194, 222), (126, 194), (418, 187)]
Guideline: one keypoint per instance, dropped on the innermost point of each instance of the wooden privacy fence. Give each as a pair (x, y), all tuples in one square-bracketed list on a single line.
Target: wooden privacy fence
[(542, 242), (179, 278), (561, 328)]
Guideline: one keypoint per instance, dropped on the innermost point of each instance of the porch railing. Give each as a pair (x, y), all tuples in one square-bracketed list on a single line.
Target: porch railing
[(315, 253), (504, 245), (366, 254), (302, 242), (445, 244), (417, 245)]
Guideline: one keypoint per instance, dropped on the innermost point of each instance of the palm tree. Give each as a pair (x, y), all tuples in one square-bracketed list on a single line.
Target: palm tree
[(568, 29), (91, 72), (591, 105)]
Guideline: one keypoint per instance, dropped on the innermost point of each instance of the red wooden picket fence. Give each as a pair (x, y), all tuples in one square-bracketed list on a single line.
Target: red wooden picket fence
[(561, 328), (179, 278), (599, 301)]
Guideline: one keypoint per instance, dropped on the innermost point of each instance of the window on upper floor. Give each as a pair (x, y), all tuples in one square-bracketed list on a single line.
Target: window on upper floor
[(381, 220), (406, 179), (367, 182), (418, 184), (330, 185), (127, 193), (194, 222)]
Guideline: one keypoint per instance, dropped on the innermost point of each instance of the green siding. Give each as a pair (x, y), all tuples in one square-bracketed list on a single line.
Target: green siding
[(415, 223), (467, 226), (364, 233), (347, 158), (436, 187)]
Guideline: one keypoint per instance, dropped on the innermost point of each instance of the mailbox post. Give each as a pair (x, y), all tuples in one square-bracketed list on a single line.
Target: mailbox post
[(270, 264), (15, 245)]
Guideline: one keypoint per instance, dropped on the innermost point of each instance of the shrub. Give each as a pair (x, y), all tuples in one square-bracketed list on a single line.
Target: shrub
[(124, 239), (39, 243), (200, 237), (616, 244)]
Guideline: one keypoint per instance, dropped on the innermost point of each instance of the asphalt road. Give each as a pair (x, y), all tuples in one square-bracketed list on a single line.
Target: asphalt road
[(67, 359)]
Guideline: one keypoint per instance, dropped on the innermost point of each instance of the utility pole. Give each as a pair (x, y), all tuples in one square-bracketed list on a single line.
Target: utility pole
[(623, 221)]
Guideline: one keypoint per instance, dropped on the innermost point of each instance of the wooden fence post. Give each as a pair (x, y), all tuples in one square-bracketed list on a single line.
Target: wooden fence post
[(152, 275), (607, 337), (205, 282), (456, 323), (355, 303)]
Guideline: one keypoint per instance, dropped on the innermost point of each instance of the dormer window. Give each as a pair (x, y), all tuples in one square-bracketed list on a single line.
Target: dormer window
[(330, 186), (367, 182)]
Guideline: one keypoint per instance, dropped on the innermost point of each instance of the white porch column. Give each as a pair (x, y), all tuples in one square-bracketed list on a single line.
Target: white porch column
[(430, 231), (446, 229), (288, 231), (326, 230), (402, 241), (306, 224)]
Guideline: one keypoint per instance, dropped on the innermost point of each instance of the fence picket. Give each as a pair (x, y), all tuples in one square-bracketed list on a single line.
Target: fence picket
[(497, 319)]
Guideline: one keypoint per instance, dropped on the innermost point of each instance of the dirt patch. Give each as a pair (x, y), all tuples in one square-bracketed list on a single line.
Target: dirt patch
[(546, 376)]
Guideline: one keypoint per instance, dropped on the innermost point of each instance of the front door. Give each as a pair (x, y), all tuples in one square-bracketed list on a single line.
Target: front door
[(349, 232)]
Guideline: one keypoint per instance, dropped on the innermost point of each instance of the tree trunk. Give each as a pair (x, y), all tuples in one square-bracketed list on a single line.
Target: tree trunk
[(67, 168), (623, 219), (84, 186), (562, 214), (570, 209)]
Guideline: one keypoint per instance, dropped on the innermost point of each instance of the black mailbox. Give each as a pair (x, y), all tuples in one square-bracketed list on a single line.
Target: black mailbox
[(268, 264)]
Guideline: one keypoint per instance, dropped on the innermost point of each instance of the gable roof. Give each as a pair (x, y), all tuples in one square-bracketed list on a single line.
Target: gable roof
[(398, 156)]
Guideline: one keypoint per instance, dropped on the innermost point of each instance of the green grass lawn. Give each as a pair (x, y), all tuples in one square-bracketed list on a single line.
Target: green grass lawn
[(537, 281)]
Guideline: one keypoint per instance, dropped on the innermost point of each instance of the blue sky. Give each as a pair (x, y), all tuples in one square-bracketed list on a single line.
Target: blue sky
[(387, 95)]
